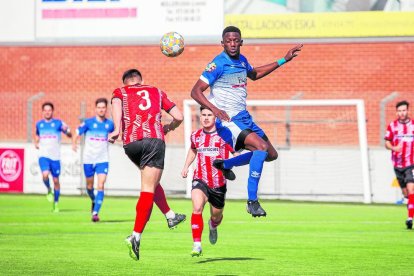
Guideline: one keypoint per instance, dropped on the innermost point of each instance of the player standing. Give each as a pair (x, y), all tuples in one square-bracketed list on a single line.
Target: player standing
[(399, 139), (95, 154), (227, 77), (139, 108), (47, 141), (209, 184)]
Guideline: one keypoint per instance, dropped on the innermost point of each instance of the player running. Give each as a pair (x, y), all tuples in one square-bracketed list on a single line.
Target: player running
[(139, 107), (209, 184), (227, 77), (95, 154), (399, 139), (47, 141)]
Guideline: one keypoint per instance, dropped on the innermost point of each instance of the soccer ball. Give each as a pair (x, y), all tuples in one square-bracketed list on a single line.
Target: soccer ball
[(172, 44)]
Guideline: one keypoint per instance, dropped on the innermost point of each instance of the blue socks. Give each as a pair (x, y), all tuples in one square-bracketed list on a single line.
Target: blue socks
[(255, 172), (91, 194), (98, 201), (240, 160), (57, 194), (47, 184)]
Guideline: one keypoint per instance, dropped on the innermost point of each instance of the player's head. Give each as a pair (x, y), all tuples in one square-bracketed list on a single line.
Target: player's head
[(402, 110), (207, 119), (100, 106), (47, 110), (131, 77), (232, 41)]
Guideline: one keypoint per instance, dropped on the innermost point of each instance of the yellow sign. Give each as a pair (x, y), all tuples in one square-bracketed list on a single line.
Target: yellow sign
[(395, 183), (317, 25)]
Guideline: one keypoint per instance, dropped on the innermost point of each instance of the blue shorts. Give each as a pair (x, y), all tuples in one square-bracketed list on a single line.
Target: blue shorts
[(235, 131), (98, 168), (50, 165)]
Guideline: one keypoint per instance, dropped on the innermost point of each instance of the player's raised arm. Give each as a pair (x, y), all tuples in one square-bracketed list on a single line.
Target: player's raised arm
[(116, 117), (191, 155), (197, 93), (262, 71)]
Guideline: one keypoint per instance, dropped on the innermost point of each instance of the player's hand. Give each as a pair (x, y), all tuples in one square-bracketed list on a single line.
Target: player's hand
[(221, 114), (184, 173), (113, 136), (293, 52), (37, 146), (74, 147), (398, 148)]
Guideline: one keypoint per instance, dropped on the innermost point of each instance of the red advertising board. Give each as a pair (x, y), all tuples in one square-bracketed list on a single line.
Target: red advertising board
[(11, 170)]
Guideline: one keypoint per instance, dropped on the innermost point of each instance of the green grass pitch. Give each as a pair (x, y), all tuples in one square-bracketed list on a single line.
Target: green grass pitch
[(294, 239)]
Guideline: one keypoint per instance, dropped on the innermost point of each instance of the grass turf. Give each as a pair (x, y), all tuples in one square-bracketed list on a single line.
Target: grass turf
[(294, 239)]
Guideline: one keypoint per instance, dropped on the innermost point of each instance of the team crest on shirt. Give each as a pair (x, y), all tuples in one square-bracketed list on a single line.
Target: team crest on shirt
[(211, 67), (52, 124), (106, 126), (95, 125), (41, 125)]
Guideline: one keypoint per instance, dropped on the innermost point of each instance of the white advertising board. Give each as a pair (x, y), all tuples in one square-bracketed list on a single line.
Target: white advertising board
[(17, 21), (112, 19)]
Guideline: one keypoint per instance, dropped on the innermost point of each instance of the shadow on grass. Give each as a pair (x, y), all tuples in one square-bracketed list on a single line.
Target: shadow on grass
[(209, 260)]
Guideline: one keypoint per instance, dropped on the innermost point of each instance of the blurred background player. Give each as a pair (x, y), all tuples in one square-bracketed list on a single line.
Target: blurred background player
[(227, 77), (95, 154), (209, 184), (47, 141), (399, 139), (139, 109)]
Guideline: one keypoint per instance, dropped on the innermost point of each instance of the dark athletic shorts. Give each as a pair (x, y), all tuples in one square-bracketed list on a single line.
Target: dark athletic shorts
[(146, 152), (216, 196), (404, 175)]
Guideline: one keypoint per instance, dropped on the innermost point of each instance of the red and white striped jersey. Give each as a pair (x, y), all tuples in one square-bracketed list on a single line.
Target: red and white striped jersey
[(209, 147), (141, 111), (398, 133)]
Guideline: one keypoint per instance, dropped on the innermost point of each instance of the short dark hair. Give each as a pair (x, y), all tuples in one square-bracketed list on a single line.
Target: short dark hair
[(101, 100), (231, 29), (402, 103), (48, 104), (130, 74), (204, 107)]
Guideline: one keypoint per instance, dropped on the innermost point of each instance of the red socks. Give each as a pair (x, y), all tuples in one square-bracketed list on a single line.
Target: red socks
[(197, 226), (410, 206), (144, 208), (160, 200)]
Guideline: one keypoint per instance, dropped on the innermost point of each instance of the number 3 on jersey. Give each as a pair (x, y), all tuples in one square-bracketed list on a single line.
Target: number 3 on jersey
[(145, 96)]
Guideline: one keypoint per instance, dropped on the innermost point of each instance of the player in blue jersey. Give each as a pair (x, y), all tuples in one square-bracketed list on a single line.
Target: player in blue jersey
[(95, 154), (227, 77), (47, 141)]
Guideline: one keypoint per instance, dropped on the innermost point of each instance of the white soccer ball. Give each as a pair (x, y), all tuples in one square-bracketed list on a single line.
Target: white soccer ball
[(172, 44)]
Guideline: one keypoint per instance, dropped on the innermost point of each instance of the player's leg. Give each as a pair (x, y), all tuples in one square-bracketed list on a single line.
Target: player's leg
[(44, 164), (199, 199), (89, 171), (217, 198), (55, 170), (409, 179), (101, 170), (160, 200)]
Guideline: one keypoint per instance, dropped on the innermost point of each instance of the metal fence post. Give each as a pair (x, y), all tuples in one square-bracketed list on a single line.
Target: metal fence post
[(82, 118), (297, 96), (29, 117)]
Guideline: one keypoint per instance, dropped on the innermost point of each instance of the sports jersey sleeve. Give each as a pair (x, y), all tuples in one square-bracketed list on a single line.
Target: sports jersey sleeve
[(37, 129), (63, 127), (116, 94), (212, 72), (82, 128), (192, 138), (389, 135), (249, 67), (166, 103), (111, 126)]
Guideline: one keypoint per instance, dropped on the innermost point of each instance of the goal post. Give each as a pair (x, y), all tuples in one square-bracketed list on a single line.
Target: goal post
[(324, 134)]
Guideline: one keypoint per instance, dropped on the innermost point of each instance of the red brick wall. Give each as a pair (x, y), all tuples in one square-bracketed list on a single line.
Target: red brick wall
[(69, 75)]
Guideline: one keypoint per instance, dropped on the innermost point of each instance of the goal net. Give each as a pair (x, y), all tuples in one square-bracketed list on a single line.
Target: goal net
[(322, 146)]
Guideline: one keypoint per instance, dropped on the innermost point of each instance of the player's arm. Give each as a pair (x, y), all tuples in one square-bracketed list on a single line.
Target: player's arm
[(191, 155), (262, 71), (116, 117), (66, 130), (177, 119), (36, 141), (197, 93), (389, 146)]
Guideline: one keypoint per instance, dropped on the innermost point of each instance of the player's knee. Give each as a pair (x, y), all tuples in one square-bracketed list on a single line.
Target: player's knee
[(272, 157), (197, 210), (262, 146)]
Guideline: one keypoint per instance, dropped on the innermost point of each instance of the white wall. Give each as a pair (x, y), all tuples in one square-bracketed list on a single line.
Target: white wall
[(298, 174)]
